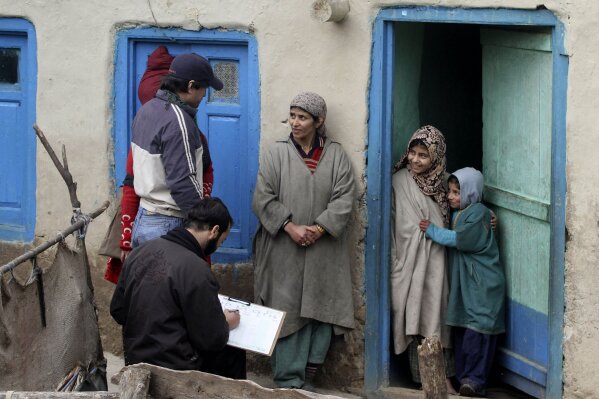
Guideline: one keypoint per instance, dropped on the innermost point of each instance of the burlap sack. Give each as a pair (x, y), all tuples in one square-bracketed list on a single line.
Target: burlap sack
[(37, 358), (111, 243)]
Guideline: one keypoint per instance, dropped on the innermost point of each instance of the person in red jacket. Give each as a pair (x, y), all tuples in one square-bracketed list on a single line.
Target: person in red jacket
[(158, 65)]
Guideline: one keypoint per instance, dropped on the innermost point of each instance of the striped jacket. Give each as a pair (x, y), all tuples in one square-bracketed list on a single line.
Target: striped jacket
[(167, 157)]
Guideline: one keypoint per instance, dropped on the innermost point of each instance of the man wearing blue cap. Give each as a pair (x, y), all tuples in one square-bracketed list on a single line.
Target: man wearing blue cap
[(167, 149)]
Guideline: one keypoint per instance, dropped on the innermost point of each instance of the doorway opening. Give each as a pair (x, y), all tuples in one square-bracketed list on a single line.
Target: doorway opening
[(438, 81), (488, 89)]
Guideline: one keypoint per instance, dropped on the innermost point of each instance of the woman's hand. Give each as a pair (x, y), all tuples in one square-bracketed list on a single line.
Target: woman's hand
[(315, 233), (424, 224), (300, 234)]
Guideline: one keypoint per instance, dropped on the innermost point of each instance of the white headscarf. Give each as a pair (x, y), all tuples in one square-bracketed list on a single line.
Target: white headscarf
[(471, 186)]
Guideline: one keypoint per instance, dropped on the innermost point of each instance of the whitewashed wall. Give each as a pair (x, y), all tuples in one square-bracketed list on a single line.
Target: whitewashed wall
[(76, 40)]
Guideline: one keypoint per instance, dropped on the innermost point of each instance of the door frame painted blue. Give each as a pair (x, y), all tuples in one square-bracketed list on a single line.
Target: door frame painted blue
[(22, 27), (377, 254), (124, 98)]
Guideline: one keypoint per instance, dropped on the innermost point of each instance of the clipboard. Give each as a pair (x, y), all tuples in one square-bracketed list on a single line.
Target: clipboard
[(259, 326)]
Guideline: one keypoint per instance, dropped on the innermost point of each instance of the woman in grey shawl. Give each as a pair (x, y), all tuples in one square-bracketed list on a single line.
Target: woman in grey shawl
[(303, 199), (419, 287)]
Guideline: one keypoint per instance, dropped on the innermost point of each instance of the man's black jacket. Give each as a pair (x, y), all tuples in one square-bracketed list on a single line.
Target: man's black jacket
[(167, 302)]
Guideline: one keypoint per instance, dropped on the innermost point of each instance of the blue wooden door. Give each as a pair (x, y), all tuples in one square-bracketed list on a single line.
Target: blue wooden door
[(17, 139), (517, 95), (223, 118)]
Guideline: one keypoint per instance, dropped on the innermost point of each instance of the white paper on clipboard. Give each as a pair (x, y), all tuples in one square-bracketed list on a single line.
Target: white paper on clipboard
[(259, 326)]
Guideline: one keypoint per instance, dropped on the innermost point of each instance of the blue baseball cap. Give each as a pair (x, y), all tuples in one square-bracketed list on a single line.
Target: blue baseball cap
[(195, 67)]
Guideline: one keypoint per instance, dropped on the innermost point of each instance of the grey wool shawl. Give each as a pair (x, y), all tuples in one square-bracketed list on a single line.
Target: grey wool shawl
[(307, 282), (419, 286)]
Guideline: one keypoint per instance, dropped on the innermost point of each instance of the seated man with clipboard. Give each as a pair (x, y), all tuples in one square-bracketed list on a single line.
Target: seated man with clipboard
[(167, 299)]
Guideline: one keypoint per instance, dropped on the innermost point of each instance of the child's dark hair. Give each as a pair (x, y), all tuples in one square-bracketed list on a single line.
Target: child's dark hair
[(416, 142), (207, 213), (174, 84), (454, 180)]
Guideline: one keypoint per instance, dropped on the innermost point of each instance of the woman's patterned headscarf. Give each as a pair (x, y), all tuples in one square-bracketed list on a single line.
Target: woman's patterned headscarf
[(314, 105), (430, 182)]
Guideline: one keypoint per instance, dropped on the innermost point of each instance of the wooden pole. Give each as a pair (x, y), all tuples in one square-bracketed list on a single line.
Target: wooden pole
[(60, 237), (166, 383), (135, 383), (78, 222), (62, 169), (432, 368), (59, 395)]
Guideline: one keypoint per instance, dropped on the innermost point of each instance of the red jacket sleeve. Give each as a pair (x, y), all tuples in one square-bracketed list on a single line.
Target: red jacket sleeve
[(113, 270), (129, 206), (208, 181)]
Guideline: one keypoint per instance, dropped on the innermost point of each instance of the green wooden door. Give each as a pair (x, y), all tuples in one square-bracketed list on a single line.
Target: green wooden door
[(517, 76)]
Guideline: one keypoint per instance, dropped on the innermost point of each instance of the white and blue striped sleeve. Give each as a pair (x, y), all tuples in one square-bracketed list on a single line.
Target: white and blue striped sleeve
[(183, 169)]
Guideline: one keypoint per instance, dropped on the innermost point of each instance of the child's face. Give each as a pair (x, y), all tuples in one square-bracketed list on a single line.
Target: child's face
[(419, 159), (453, 195)]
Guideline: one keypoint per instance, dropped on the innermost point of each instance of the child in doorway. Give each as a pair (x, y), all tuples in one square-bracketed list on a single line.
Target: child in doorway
[(419, 288), (476, 280)]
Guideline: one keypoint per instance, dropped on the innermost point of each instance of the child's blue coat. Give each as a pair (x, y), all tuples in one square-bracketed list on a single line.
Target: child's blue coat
[(476, 277)]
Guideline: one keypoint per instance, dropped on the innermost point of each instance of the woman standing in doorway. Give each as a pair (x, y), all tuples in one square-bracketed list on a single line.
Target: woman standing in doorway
[(419, 288), (303, 199)]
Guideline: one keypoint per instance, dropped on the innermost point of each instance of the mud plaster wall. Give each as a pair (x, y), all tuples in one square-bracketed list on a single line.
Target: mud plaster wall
[(75, 58)]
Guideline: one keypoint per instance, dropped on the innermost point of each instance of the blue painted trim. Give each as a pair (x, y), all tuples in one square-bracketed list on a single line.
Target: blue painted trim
[(558, 214), (254, 109), (378, 178), (527, 334), (124, 97), (231, 255), (514, 362), (530, 387), (482, 16), (23, 27), (378, 173)]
